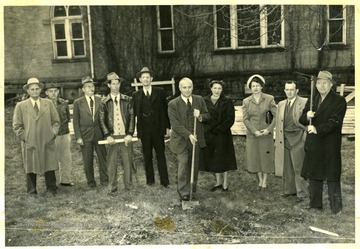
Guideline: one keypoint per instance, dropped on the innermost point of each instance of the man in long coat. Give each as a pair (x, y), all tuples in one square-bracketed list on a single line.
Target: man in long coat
[(323, 143), (182, 110), (289, 143), (36, 123), (152, 124)]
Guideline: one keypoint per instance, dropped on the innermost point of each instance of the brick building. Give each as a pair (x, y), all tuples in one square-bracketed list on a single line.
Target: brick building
[(65, 43)]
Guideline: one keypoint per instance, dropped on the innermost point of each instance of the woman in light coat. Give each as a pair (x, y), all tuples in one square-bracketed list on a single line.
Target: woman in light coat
[(259, 134)]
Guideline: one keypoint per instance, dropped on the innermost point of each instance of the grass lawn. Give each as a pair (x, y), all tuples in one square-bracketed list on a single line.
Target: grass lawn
[(79, 216)]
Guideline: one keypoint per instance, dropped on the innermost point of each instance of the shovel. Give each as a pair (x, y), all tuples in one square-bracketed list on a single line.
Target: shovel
[(190, 204)]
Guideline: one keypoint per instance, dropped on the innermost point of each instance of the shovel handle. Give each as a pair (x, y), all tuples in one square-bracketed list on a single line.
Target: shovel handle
[(193, 162)]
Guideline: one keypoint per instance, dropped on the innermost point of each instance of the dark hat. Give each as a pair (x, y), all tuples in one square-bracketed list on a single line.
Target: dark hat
[(144, 70), (49, 85), (87, 79), (33, 81), (255, 76), (325, 75)]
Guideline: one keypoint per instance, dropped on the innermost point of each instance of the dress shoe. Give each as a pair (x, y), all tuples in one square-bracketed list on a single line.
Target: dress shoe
[(166, 185), (185, 198), (113, 190), (70, 184), (218, 187), (287, 195), (92, 184), (299, 199)]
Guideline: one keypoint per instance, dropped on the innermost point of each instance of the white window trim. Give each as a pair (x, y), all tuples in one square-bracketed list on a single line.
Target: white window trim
[(263, 30), (334, 19), (67, 21), (159, 29)]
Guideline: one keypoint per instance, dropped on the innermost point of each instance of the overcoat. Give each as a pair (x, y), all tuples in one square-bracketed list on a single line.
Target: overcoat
[(298, 106), (159, 110), (37, 133), (323, 150), (218, 156), (177, 111), (259, 150)]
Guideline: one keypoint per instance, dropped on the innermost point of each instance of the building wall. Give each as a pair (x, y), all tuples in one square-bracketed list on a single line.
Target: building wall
[(28, 47)]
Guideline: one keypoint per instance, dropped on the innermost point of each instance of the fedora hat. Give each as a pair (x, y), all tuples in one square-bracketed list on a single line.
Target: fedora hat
[(258, 76), (325, 75), (33, 81), (49, 85), (144, 70), (112, 76), (87, 79)]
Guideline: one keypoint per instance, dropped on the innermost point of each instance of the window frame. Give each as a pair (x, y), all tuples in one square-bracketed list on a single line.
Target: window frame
[(263, 30), (343, 19), (159, 30), (68, 20)]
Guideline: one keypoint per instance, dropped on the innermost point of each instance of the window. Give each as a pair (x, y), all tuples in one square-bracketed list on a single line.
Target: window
[(336, 28), (248, 26), (165, 29), (68, 32)]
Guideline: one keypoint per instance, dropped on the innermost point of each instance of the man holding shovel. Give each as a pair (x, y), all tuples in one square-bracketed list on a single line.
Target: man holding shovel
[(186, 112)]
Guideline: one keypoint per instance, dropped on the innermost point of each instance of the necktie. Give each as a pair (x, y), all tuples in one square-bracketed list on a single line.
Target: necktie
[(116, 102), (320, 101), (188, 105), (147, 94), (287, 106), (36, 108), (92, 106)]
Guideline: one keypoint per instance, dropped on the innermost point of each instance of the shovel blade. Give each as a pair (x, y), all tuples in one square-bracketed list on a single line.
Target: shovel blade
[(187, 205)]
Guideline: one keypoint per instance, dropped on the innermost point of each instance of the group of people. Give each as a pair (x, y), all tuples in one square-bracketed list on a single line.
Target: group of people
[(306, 151)]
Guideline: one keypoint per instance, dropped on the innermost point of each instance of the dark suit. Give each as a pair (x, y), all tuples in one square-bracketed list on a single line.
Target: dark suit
[(152, 122), (88, 129), (323, 150), (182, 126)]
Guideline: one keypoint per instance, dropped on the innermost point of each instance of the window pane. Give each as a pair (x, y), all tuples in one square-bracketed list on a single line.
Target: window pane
[(223, 26), (165, 16), (166, 40), (76, 30), (335, 11), (59, 11), (336, 31), (79, 48), (274, 24), (248, 25), (61, 48), (74, 11), (59, 31)]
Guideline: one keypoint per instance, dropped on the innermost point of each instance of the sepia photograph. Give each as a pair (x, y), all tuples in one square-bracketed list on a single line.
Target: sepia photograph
[(212, 125)]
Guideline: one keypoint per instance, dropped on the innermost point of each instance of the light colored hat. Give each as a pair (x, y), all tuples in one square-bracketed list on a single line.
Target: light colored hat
[(49, 85), (144, 70), (33, 81), (87, 79), (325, 75), (112, 76), (255, 76)]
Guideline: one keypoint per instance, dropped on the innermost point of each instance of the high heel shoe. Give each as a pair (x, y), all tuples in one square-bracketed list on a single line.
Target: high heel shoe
[(225, 189), (218, 187)]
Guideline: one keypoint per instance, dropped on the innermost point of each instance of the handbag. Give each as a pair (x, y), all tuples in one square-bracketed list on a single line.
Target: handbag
[(269, 117)]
